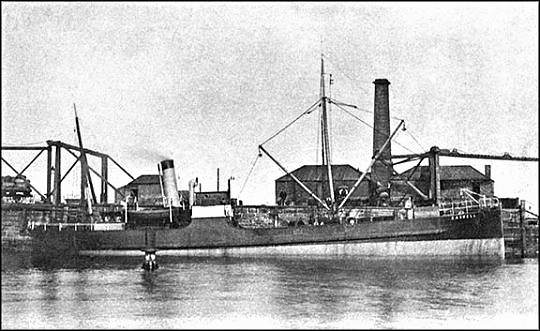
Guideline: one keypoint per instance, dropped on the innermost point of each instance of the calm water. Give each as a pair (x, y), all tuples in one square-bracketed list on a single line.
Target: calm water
[(269, 293)]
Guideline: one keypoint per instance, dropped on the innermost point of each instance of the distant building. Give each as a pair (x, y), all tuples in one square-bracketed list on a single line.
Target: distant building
[(453, 178), (145, 188), (146, 192), (315, 177)]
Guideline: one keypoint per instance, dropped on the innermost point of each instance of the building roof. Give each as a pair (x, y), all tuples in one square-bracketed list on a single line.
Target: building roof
[(458, 172), (318, 173), (145, 180)]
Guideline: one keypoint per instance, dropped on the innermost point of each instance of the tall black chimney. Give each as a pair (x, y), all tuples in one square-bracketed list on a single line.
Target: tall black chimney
[(382, 168)]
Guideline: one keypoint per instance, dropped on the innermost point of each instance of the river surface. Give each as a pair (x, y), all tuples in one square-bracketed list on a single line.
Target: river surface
[(299, 292)]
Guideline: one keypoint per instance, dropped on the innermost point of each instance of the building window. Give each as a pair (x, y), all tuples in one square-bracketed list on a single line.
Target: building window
[(476, 187)]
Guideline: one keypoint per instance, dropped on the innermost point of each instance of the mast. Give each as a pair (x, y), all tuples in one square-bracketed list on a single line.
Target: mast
[(85, 174), (325, 139)]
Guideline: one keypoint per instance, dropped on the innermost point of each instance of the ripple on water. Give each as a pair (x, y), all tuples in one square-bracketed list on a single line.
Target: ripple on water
[(269, 292)]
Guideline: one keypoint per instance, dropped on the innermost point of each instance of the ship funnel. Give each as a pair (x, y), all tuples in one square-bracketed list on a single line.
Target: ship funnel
[(170, 190), (382, 168)]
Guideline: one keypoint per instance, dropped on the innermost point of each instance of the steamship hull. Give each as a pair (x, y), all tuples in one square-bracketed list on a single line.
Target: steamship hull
[(159, 217), (376, 230), (474, 235)]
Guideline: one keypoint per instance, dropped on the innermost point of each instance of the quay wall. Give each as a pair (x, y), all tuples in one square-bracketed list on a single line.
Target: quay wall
[(531, 240), (14, 234), (520, 238)]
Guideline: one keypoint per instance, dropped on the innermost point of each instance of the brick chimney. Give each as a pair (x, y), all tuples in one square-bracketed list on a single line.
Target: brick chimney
[(487, 170), (382, 168)]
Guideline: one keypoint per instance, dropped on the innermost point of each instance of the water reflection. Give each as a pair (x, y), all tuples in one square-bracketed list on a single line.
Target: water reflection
[(264, 292), (149, 281)]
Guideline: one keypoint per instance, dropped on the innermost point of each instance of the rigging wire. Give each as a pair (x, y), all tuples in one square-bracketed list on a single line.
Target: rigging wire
[(410, 134), (339, 103), (307, 111), (336, 102), (348, 112), (249, 174), (358, 118), (343, 72)]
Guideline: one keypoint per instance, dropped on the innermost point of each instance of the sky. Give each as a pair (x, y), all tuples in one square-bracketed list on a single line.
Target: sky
[(205, 83)]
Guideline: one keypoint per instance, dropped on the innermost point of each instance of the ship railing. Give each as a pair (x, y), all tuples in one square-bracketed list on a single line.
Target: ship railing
[(482, 200), (369, 214), (63, 217), (461, 209), (486, 202), (111, 226), (464, 209)]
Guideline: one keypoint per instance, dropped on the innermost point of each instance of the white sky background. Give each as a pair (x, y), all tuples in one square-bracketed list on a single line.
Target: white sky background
[(205, 83)]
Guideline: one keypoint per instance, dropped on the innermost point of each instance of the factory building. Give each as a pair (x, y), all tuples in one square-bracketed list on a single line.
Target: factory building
[(146, 191), (315, 177), (452, 180)]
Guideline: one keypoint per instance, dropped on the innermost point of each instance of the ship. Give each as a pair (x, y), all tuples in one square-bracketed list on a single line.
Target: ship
[(368, 216)]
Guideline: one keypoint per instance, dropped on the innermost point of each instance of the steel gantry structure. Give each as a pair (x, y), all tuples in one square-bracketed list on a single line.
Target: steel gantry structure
[(434, 166), (53, 192)]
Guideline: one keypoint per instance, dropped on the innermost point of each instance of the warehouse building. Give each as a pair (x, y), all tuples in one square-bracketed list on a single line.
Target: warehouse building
[(452, 179), (146, 191), (315, 177)]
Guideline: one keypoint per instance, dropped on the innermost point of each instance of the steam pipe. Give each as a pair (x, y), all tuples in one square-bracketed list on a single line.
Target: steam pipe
[(163, 198)]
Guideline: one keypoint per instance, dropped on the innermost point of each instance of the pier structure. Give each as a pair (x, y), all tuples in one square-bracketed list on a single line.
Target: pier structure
[(55, 178), (520, 229)]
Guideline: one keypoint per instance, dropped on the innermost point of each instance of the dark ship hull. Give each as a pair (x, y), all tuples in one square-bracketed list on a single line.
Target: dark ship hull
[(479, 234), (173, 217)]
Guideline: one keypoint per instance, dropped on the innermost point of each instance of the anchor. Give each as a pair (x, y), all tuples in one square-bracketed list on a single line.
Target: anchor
[(150, 263)]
